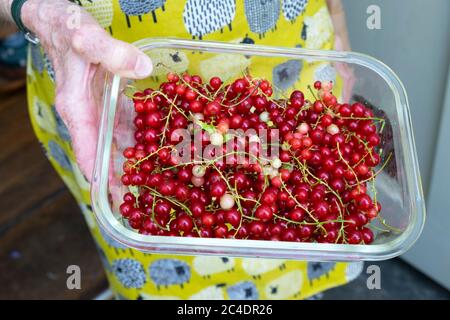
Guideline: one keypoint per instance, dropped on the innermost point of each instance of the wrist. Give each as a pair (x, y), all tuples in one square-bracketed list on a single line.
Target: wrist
[(29, 14), (21, 14), (5, 10)]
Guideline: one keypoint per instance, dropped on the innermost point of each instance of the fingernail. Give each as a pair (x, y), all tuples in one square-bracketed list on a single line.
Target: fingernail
[(143, 66)]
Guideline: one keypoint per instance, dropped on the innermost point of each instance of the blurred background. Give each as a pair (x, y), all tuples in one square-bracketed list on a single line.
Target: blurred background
[(42, 230)]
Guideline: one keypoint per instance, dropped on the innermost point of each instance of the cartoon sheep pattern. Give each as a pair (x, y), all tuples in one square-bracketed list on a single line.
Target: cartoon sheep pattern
[(86, 209), (262, 15), (167, 272), (288, 285), (325, 72), (44, 118), (257, 267), (49, 67), (129, 272), (353, 270), (59, 155), (316, 270), (36, 57), (63, 132), (209, 293), (175, 60), (304, 32), (286, 74), (202, 17), (104, 259), (293, 8), (110, 241), (207, 266), (244, 290), (205, 16), (318, 29), (140, 7), (224, 65), (101, 10)]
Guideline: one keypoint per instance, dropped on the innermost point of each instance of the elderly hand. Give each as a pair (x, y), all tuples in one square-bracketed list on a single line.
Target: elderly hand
[(81, 51)]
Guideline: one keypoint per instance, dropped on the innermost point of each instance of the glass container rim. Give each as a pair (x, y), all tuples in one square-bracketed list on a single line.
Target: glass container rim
[(270, 249)]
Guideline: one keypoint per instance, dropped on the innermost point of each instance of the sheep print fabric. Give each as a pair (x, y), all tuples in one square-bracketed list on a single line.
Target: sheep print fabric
[(136, 275)]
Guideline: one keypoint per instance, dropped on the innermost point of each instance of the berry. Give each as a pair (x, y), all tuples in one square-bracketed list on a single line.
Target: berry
[(218, 189), (318, 106), (221, 231), (367, 235), (264, 213), (233, 217), (226, 201), (215, 83), (154, 119), (208, 220), (197, 208), (126, 209), (239, 86), (354, 237), (297, 184), (321, 209), (184, 223), (317, 85), (297, 215), (306, 231), (256, 228)]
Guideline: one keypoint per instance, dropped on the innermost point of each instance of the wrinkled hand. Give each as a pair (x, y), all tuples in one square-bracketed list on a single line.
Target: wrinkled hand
[(81, 54)]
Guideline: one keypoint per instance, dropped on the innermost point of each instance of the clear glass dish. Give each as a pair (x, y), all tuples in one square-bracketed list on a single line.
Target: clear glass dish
[(398, 186)]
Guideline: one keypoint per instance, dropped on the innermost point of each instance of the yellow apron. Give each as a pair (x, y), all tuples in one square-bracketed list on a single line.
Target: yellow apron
[(136, 275)]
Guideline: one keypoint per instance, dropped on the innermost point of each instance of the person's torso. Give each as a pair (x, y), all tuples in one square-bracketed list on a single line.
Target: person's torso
[(291, 23)]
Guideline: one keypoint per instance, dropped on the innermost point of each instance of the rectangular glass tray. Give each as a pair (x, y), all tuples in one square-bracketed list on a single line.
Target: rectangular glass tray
[(398, 187)]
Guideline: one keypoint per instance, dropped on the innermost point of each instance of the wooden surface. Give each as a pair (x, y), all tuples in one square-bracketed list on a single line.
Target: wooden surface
[(41, 228)]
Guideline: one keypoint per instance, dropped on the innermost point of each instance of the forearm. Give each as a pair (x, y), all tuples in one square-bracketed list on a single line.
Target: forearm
[(337, 15), (5, 11), (35, 14), (30, 13)]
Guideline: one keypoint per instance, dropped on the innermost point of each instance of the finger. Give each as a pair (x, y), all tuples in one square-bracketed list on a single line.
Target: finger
[(118, 57), (348, 88), (49, 19), (76, 105), (344, 70), (348, 79)]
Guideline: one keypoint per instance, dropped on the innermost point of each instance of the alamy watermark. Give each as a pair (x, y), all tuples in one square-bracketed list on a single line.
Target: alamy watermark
[(73, 281), (373, 21), (196, 145), (373, 281)]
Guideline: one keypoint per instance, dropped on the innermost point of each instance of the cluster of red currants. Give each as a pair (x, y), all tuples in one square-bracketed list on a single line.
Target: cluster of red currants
[(314, 188)]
